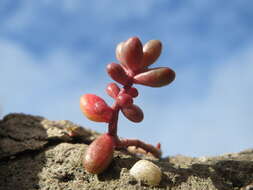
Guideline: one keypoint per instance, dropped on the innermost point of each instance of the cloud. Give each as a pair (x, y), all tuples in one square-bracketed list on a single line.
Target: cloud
[(220, 119), (54, 51), (50, 85)]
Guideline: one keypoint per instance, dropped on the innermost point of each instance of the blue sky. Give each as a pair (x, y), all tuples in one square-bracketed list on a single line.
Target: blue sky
[(52, 52)]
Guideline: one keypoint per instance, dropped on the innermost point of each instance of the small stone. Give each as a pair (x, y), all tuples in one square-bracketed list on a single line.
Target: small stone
[(203, 159), (147, 172)]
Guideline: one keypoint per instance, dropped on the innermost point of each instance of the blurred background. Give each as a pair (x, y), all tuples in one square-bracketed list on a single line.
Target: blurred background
[(52, 52)]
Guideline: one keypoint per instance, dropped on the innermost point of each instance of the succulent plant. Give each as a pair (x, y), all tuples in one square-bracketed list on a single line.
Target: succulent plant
[(133, 68)]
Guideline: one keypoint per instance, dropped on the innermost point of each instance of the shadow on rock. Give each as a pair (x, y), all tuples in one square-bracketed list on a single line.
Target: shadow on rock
[(224, 174), (22, 138), (114, 170)]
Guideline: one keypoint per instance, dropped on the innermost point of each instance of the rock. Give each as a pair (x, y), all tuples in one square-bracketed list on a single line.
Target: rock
[(21, 133), (146, 172), (36, 153)]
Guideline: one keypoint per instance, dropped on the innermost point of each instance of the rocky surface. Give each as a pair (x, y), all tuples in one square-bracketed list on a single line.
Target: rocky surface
[(36, 153)]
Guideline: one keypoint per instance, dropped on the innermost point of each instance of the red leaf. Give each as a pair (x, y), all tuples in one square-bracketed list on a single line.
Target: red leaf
[(118, 74), (124, 100), (95, 108), (112, 90), (133, 113), (130, 54), (99, 154), (156, 77), (151, 51)]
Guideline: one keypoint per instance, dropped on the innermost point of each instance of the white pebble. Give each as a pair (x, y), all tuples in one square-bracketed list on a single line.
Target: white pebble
[(147, 172)]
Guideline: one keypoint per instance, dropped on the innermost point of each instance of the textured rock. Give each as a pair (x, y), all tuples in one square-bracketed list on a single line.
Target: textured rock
[(36, 153), (20, 133)]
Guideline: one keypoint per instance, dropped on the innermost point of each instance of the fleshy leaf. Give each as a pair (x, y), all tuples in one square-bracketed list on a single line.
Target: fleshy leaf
[(124, 100), (118, 74), (151, 51), (130, 54), (133, 113), (155, 77), (119, 50), (95, 108), (112, 90), (132, 92), (99, 154)]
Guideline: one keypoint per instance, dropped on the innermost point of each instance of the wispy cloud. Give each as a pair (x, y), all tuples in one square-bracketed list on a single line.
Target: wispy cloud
[(218, 121), (49, 85), (53, 51)]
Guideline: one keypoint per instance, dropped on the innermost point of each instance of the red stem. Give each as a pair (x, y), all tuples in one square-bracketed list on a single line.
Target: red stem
[(113, 125), (124, 143)]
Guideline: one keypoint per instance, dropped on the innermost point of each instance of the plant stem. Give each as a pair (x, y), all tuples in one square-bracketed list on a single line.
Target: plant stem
[(113, 125), (124, 143), (155, 151)]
